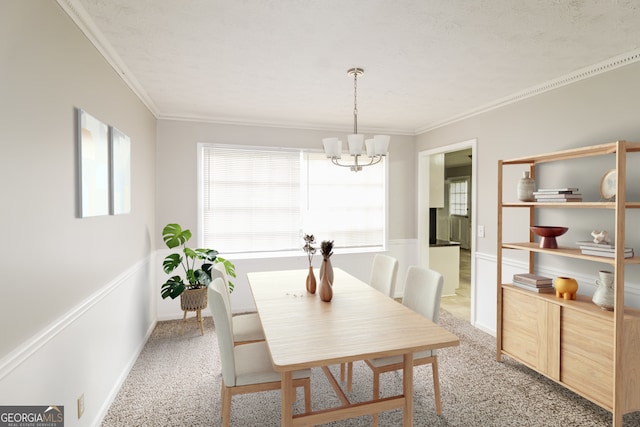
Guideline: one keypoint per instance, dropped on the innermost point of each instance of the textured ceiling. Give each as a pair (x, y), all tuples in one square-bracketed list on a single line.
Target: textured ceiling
[(284, 62)]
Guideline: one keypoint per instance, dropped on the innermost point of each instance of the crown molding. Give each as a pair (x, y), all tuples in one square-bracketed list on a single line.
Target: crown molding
[(576, 76), (81, 18)]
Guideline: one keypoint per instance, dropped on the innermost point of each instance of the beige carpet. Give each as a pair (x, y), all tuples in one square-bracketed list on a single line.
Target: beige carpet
[(176, 382)]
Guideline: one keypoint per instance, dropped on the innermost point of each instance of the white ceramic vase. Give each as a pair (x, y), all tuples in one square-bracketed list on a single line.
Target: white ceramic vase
[(605, 295), (526, 187)]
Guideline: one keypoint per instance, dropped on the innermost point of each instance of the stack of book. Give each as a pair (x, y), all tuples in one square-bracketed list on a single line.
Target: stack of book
[(557, 195), (589, 247), (533, 282)]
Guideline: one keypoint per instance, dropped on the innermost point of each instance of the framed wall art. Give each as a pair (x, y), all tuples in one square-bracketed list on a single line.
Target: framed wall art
[(93, 165)]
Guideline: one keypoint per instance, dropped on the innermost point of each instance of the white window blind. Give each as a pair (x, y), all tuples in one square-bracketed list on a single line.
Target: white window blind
[(262, 200), (344, 206)]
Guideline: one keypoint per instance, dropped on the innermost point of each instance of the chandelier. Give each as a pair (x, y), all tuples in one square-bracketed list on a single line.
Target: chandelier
[(376, 147)]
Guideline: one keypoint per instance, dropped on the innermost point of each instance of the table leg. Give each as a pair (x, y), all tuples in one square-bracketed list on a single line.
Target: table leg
[(287, 399), (407, 385)]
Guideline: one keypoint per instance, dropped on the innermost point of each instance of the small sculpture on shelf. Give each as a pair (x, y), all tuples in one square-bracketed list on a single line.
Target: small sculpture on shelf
[(309, 240), (566, 287), (600, 236)]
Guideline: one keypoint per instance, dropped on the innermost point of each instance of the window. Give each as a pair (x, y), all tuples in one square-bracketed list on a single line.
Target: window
[(263, 200), (458, 196)]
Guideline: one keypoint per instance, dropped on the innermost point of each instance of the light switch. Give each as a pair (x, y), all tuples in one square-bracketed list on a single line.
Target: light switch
[(481, 231)]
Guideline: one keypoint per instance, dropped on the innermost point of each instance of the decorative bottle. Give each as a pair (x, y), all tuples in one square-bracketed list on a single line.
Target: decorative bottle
[(526, 187)]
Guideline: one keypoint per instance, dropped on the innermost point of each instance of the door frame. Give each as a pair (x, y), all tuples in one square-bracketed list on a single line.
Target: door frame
[(423, 208)]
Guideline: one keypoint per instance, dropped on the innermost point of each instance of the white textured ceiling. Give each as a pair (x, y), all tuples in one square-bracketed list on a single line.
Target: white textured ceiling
[(284, 62)]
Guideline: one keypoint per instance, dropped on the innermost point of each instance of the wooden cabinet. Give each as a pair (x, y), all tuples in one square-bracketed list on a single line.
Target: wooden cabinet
[(593, 352), (531, 335), (436, 181), (446, 261)]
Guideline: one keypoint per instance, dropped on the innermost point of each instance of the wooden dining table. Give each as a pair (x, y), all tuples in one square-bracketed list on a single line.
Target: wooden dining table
[(359, 323)]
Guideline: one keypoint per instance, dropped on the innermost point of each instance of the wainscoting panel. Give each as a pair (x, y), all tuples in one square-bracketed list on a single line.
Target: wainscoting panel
[(88, 351)]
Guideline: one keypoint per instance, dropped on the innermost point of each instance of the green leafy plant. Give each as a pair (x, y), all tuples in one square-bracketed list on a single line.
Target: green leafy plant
[(196, 276)]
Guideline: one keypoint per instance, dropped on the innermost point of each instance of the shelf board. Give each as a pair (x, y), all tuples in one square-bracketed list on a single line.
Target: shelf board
[(583, 205), (567, 252), (575, 153)]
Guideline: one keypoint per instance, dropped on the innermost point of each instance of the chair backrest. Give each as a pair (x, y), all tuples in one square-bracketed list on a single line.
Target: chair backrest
[(422, 292), (218, 304), (218, 271), (383, 274)]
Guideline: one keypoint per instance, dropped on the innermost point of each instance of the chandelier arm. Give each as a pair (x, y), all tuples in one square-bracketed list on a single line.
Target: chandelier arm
[(334, 160), (373, 161)]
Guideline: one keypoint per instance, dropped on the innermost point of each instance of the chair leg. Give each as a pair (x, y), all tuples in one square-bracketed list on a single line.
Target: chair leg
[(436, 385), (376, 395), (307, 395), (349, 376), (226, 406), (342, 370)]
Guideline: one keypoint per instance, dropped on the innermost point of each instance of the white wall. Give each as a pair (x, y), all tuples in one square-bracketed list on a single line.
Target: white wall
[(78, 299), (600, 109)]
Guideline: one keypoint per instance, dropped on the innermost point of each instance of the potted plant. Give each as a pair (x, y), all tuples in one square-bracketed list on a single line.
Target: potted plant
[(196, 264)]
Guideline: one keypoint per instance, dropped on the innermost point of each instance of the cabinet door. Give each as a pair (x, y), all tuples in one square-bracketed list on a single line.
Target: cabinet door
[(436, 180), (587, 355), (531, 331)]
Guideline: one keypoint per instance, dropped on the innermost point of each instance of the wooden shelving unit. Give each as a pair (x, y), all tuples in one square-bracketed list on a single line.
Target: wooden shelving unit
[(593, 352)]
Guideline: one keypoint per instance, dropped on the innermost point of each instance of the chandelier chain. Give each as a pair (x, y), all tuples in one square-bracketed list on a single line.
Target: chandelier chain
[(355, 103)]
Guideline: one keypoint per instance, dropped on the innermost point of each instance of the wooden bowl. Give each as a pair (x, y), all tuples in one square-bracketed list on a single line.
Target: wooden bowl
[(548, 235)]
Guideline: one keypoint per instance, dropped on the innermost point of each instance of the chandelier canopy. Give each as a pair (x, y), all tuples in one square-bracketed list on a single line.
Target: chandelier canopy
[(376, 147)]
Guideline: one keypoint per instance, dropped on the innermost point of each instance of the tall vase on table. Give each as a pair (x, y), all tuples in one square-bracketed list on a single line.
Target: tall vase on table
[(311, 281), (310, 250), (326, 271)]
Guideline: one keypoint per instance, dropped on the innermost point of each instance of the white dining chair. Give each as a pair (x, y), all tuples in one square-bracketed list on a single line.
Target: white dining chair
[(422, 293), (384, 270), (247, 326), (245, 368), (383, 274)]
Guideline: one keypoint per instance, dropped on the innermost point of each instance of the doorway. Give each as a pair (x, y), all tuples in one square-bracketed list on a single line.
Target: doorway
[(455, 218)]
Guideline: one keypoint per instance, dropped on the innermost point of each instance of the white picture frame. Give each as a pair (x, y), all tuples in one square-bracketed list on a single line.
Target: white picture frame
[(93, 165), (120, 161)]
